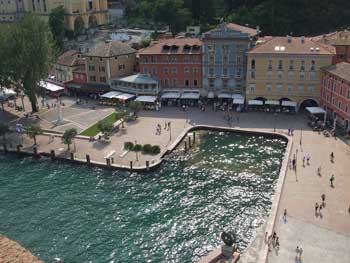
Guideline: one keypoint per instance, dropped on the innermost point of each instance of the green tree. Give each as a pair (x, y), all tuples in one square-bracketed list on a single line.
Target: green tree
[(5, 58), (56, 23), (68, 136), (33, 131), (32, 54), (105, 127), (4, 128), (135, 107)]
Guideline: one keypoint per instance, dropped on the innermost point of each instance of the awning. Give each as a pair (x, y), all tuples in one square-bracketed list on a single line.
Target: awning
[(150, 99), (287, 103), (171, 95), (272, 102), (255, 102), (6, 93), (224, 96), (50, 86), (111, 95), (238, 101), (190, 95), (211, 95), (237, 96), (125, 96), (315, 110)]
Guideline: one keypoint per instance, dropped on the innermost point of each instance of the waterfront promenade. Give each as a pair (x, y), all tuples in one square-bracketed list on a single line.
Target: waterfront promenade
[(322, 238)]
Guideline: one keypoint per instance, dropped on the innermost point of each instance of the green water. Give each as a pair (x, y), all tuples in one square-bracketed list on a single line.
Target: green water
[(174, 214)]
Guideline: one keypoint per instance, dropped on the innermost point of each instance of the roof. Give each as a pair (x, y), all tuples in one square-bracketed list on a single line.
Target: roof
[(174, 46), (139, 79), (244, 29), (334, 38), (68, 58), (111, 49), (296, 45), (341, 70), (50, 86)]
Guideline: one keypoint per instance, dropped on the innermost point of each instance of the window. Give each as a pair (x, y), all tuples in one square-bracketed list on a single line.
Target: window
[(238, 73), (302, 65), (121, 67), (253, 64), (166, 58), (174, 71), (224, 71), (225, 59), (82, 76), (238, 59), (102, 79), (334, 86), (186, 70), (211, 83), (195, 83), (175, 83), (195, 70), (348, 94), (279, 88), (290, 75), (269, 88), (165, 71), (301, 88), (211, 59), (341, 90), (312, 68), (145, 70), (166, 82), (187, 82), (291, 64), (225, 83), (252, 88), (346, 108), (186, 59), (311, 89), (102, 69), (93, 78), (252, 74), (211, 71), (145, 59), (280, 64), (302, 75), (270, 64), (333, 101), (290, 88), (91, 68), (339, 105), (312, 75), (211, 47), (154, 71), (280, 75), (173, 59), (269, 74)]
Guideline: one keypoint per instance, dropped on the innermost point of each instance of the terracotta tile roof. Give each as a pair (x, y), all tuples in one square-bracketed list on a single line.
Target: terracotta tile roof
[(174, 46), (281, 45), (68, 58), (334, 38), (111, 49), (244, 29), (341, 70)]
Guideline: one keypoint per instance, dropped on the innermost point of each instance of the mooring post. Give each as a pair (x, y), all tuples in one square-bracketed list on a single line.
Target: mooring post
[(130, 165), (52, 155), (194, 137), (185, 146), (108, 162), (189, 141), (147, 165), (88, 159), (72, 156)]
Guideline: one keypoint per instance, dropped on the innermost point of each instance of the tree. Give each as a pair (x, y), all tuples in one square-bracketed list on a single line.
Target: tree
[(33, 131), (4, 128), (68, 136), (135, 107), (122, 116), (105, 127), (56, 23), (32, 54)]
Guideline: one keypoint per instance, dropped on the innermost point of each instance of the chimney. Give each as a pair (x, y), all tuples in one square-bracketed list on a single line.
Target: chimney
[(289, 38), (302, 39)]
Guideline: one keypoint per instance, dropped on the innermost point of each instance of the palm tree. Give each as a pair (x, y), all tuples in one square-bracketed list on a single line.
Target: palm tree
[(68, 136), (33, 131), (4, 128)]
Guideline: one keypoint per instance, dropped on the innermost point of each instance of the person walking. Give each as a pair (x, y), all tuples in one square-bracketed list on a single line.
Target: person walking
[(332, 157), (332, 180), (316, 208), (319, 171), (165, 125), (304, 161), (308, 159), (277, 243), (323, 198)]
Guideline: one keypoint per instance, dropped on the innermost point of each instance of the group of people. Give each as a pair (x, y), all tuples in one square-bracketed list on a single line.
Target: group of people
[(167, 126), (272, 239), (319, 207)]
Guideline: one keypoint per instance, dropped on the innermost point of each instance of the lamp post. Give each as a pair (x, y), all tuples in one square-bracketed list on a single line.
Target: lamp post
[(274, 124), (301, 135), (169, 125), (137, 154)]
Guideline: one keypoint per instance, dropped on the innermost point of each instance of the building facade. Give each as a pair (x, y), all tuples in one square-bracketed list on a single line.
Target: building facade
[(287, 68), (108, 61), (224, 58), (335, 93), (175, 63), (341, 41), (11, 11), (136, 84), (67, 63)]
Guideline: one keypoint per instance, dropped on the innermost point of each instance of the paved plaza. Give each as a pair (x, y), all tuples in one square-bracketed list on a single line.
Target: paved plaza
[(322, 237)]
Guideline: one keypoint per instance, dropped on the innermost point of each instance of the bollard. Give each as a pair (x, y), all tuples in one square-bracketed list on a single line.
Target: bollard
[(108, 162), (185, 146), (72, 156), (194, 137), (18, 147), (147, 165), (131, 166), (112, 160), (5, 148), (189, 141), (88, 159), (35, 151), (52, 155)]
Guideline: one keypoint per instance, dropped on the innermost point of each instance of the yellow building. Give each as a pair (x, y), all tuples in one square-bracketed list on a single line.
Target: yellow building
[(287, 68), (82, 13)]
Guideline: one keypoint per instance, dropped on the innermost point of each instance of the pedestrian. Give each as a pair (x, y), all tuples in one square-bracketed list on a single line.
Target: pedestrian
[(332, 157), (274, 237), (294, 166), (304, 161), (291, 130), (319, 171), (265, 237), (332, 180), (290, 164), (323, 197), (169, 125), (300, 252), (165, 125), (277, 243), (308, 159), (316, 208), (285, 213)]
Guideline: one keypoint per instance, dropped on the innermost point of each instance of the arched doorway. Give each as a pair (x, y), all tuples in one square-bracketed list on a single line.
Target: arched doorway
[(79, 25), (308, 103), (92, 21)]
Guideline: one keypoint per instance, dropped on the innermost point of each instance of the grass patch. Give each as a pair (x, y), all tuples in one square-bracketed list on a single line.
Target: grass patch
[(93, 130)]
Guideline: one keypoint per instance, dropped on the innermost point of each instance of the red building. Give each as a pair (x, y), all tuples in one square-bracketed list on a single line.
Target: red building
[(79, 72), (176, 63), (340, 40), (335, 93)]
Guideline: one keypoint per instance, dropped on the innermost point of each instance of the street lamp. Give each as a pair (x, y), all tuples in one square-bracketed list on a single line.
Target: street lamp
[(137, 155), (274, 124), (301, 135), (169, 125)]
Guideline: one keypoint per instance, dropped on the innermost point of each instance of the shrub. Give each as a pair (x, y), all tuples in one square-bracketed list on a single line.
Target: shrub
[(147, 148), (129, 146), (155, 149), (137, 148)]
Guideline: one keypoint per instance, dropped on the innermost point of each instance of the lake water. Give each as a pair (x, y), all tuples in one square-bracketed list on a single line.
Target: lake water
[(174, 214)]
